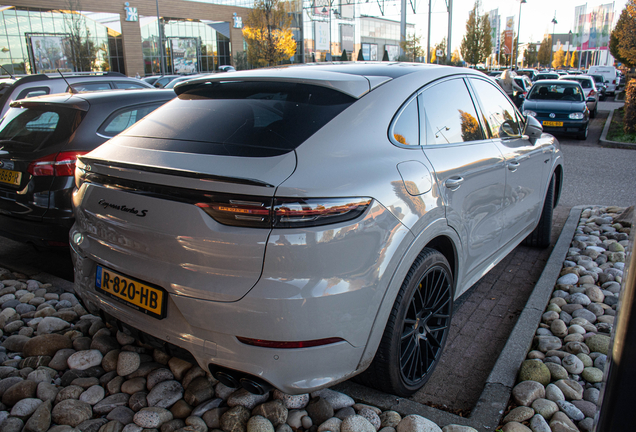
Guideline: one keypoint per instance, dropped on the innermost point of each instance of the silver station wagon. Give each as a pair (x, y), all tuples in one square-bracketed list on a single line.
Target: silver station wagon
[(294, 227)]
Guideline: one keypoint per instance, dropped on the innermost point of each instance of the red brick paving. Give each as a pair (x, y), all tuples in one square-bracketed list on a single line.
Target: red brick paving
[(482, 320)]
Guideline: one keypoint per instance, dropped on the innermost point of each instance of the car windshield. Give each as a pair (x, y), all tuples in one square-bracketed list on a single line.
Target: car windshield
[(28, 129), (269, 115), (556, 92)]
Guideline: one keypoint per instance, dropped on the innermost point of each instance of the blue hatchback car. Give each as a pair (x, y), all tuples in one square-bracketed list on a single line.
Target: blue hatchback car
[(560, 106)]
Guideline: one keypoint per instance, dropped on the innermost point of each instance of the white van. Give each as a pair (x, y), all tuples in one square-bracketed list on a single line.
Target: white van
[(609, 74)]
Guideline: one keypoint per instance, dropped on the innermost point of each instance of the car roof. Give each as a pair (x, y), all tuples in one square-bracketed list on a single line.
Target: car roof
[(352, 78), (96, 98)]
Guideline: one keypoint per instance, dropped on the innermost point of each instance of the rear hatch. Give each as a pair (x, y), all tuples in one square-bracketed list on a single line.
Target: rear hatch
[(182, 199), (32, 143)]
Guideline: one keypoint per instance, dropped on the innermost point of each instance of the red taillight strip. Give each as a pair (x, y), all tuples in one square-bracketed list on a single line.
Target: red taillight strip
[(58, 164), (289, 345)]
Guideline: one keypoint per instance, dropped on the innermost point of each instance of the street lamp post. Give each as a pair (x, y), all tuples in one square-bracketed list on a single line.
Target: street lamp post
[(163, 68), (554, 23), (568, 57), (329, 12), (518, 30)]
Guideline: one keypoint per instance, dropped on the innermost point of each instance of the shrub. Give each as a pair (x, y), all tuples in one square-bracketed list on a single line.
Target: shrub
[(630, 107)]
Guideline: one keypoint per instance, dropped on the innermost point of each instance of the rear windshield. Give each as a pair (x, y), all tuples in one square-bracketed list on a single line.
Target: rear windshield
[(254, 114), (29, 129), (556, 92), (585, 83)]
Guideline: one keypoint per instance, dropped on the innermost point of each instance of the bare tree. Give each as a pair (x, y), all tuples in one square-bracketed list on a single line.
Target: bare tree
[(80, 50)]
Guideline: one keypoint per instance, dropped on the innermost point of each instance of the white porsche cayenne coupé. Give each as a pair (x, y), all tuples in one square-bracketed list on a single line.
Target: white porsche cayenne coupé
[(293, 227)]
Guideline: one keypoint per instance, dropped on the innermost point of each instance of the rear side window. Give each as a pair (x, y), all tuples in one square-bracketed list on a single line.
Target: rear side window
[(122, 119), (93, 86), (406, 129), (128, 85), (270, 115), (32, 92), (29, 129)]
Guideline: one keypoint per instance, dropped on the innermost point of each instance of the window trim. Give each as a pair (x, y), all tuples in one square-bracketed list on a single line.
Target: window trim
[(417, 95), (23, 93)]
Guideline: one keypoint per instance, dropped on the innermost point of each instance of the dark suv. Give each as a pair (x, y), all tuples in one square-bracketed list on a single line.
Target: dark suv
[(40, 139)]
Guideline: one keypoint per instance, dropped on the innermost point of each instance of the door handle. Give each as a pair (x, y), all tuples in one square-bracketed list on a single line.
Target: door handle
[(512, 166), (454, 183)]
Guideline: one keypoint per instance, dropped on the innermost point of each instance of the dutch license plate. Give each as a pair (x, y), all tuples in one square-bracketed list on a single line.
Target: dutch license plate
[(11, 177), (141, 296), (551, 123)]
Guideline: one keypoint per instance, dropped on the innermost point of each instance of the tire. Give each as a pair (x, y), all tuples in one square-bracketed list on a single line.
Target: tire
[(583, 135), (593, 113), (417, 329), (541, 235)]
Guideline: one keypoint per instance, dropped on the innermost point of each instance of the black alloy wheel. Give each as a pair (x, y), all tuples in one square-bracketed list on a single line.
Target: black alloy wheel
[(417, 328)]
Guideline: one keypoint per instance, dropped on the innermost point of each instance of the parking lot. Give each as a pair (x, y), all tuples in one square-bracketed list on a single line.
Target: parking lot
[(485, 315)]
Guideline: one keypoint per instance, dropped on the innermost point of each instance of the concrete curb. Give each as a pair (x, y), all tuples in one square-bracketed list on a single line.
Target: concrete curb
[(494, 398), (603, 141)]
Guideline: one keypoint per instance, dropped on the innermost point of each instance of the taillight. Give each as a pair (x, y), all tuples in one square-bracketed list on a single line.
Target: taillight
[(592, 93), (284, 212), (614, 82), (57, 164)]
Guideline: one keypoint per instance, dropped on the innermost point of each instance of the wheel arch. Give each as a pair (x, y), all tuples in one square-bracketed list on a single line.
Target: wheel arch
[(438, 236), (558, 176)]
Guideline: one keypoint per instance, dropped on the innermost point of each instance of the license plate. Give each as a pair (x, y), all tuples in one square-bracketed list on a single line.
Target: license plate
[(141, 296), (551, 123), (11, 177)]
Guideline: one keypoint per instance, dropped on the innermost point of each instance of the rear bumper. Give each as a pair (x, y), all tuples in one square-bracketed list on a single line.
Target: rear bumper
[(294, 371), (42, 233)]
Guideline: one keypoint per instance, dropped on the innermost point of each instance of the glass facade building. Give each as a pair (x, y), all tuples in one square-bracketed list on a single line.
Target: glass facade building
[(189, 45), (34, 40)]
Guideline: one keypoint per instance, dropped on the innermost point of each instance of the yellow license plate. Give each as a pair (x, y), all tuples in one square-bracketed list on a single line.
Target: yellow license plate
[(551, 123), (11, 177), (141, 296)]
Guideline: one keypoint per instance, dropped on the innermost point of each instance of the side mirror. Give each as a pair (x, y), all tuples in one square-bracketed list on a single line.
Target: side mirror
[(533, 129), (591, 99)]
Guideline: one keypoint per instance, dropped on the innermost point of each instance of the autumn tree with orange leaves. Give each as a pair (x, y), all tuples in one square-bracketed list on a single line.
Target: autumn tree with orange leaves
[(268, 34)]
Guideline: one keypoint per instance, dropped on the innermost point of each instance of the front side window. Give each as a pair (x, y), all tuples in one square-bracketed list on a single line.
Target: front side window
[(499, 113), (448, 114)]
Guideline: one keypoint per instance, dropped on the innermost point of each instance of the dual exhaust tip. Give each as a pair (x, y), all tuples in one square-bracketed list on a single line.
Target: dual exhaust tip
[(235, 379)]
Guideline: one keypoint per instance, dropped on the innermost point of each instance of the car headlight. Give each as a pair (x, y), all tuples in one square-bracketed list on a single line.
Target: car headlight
[(576, 116), (530, 113)]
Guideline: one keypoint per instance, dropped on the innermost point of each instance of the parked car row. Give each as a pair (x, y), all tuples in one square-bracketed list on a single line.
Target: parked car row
[(40, 139), (289, 227), (294, 227)]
